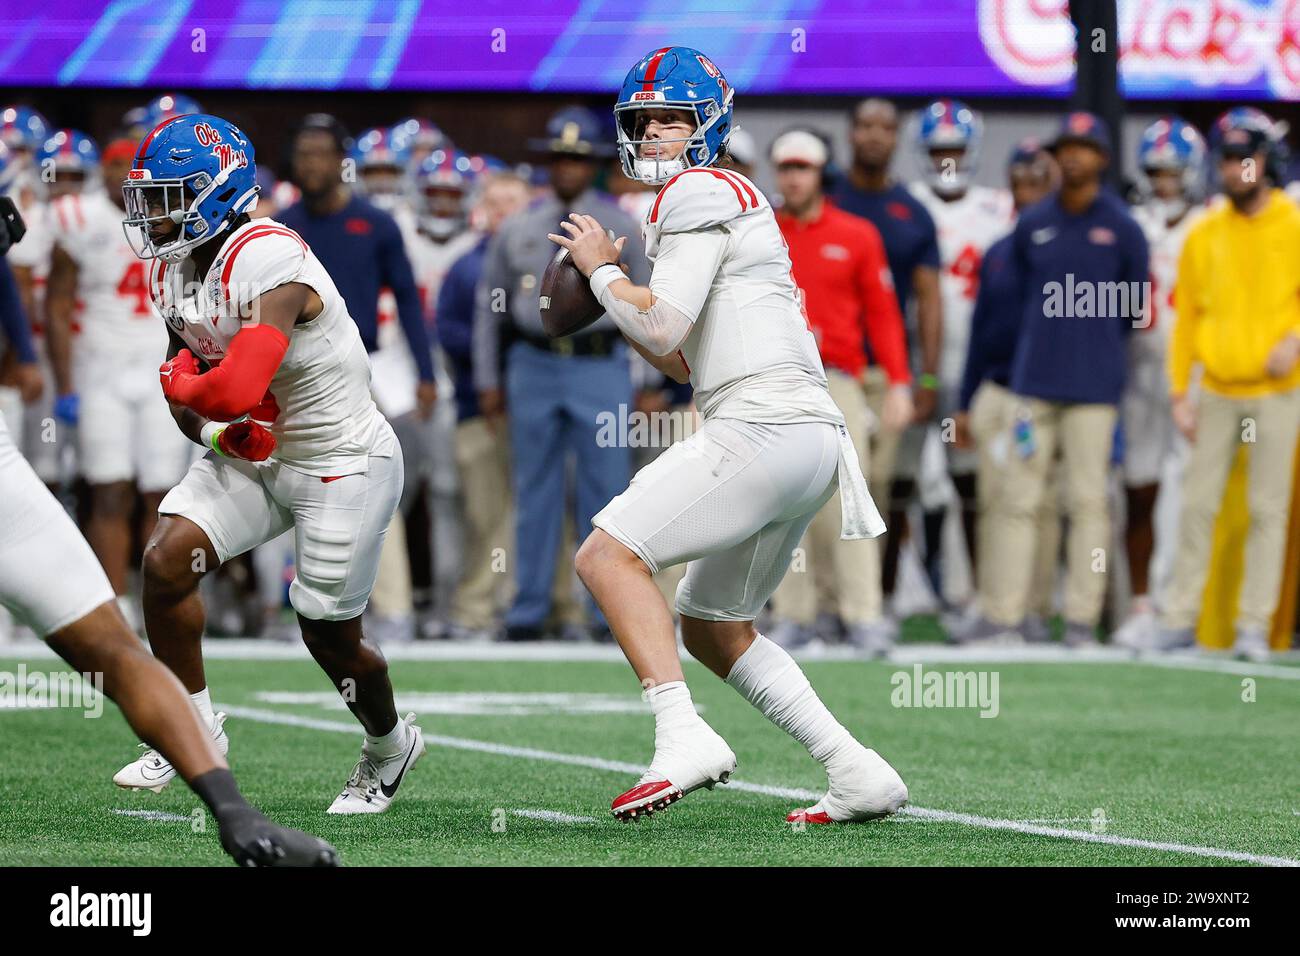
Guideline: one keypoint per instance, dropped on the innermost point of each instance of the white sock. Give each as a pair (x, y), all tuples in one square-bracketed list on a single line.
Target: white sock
[(672, 706), (767, 677), (203, 702), (389, 745)]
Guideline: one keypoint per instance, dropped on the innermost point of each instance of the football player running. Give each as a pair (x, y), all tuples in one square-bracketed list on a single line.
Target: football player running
[(268, 371), (734, 499), (1171, 158)]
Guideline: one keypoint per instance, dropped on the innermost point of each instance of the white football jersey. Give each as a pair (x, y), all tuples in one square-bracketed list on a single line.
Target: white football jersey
[(327, 423), (116, 321), (719, 258), (966, 227), (1165, 244)]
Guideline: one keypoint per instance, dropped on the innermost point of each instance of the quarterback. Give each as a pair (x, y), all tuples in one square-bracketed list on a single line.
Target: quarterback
[(268, 372), (734, 499)]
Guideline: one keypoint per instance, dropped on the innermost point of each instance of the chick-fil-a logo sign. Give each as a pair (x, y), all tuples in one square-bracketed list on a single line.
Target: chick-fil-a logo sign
[(1203, 43)]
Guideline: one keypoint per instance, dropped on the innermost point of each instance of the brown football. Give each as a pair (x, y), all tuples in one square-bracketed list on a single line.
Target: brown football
[(567, 304)]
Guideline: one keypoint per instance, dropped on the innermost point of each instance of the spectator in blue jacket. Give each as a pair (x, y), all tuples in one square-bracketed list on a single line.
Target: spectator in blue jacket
[(1080, 262), (359, 244), (481, 449)]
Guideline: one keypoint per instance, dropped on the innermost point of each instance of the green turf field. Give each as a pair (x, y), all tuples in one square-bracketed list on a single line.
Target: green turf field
[(518, 770)]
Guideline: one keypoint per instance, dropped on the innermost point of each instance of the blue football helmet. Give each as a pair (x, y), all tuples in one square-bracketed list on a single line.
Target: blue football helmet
[(673, 77), (382, 166), (444, 181), (1172, 144), (73, 160), (949, 125), (1260, 131), (418, 138), (195, 171), (22, 128)]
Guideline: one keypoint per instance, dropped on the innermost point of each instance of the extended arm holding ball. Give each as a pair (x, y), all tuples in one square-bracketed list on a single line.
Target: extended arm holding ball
[(655, 325)]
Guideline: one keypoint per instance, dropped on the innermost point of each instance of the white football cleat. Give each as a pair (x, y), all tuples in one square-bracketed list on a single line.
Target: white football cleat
[(152, 771), (373, 784), (684, 762), (865, 787)]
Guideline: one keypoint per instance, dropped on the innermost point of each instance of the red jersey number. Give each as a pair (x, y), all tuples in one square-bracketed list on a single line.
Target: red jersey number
[(966, 268), (132, 286)]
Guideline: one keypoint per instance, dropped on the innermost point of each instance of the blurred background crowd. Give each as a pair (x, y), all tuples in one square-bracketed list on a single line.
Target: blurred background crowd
[(1086, 440)]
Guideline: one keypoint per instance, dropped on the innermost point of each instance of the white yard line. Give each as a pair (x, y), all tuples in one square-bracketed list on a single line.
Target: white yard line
[(552, 816), (159, 815), (789, 793)]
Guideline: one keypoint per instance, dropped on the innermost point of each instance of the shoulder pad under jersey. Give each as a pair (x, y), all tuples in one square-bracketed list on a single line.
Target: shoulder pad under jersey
[(264, 256), (700, 198)]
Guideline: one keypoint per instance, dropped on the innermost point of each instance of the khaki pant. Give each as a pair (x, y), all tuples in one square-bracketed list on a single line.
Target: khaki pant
[(1085, 434), (1268, 425), (832, 574), (483, 462), (391, 596), (883, 443), (992, 416)]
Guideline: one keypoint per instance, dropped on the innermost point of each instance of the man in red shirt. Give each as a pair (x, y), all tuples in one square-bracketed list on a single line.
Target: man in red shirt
[(839, 264)]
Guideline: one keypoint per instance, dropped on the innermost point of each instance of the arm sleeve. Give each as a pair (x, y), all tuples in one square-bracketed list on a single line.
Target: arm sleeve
[(1183, 334), (882, 321), (684, 270), (455, 311), (396, 273), (12, 319), (487, 320), (240, 382), (660, 329)]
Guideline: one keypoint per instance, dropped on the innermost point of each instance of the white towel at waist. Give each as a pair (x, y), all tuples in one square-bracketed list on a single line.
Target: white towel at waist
[(858, 515)]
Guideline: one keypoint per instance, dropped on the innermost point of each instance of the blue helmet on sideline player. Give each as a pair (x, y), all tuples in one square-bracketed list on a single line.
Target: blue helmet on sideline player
[(949, 126), (22, 128), (673, 77), (1245, 130), (382, 164), (69, 161), (196, 171), (1172, 144), (443, 182)]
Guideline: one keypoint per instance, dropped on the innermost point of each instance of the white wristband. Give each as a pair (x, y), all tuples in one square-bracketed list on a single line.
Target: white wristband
[(603, 276)]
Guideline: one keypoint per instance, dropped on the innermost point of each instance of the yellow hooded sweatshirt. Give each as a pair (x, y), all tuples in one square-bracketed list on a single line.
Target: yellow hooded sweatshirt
[(1237, 296)]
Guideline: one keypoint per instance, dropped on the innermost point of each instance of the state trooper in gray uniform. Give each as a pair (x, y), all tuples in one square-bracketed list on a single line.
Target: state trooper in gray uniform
[(554, 393)]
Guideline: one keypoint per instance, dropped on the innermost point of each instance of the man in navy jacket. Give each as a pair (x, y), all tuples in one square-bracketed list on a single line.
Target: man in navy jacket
[(1080, 261)]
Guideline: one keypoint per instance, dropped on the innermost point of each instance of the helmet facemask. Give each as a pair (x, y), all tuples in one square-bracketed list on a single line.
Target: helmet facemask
[(150, 202), (656, 170)]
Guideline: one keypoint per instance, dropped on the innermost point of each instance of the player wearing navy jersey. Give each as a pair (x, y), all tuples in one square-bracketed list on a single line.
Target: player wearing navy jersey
[(734, 499)]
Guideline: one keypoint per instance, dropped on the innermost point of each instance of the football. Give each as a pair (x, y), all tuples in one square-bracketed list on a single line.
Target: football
[(567, 304)]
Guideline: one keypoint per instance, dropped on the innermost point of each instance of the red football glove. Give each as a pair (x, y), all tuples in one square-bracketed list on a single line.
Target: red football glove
[(175, 371), (247, 440)]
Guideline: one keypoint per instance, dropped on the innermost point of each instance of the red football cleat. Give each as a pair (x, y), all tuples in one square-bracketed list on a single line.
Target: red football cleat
[(808, 815), (644, 799)]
